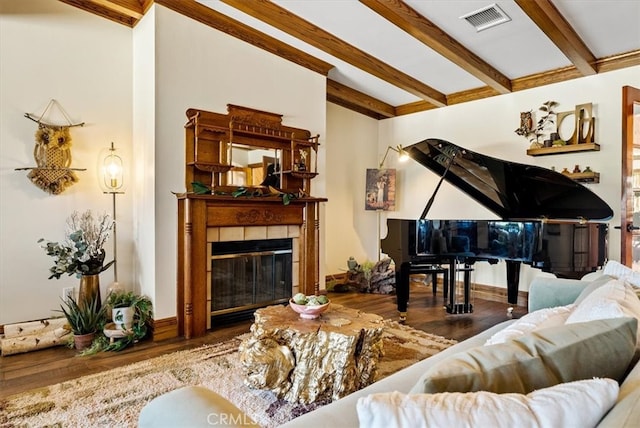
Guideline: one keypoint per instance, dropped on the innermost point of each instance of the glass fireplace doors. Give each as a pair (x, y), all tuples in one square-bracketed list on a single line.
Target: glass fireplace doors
[(249, 274)]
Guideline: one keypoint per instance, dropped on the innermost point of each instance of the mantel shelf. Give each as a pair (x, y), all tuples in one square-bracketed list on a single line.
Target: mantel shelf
[(569, 148), (210, 167), (301, 174)]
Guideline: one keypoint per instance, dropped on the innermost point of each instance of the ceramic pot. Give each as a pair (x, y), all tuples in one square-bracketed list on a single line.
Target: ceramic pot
[(89, 290), (83, 341), (123, 317)]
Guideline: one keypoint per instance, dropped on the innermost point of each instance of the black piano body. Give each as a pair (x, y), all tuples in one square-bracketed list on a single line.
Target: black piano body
[(546, 221), (567, 249)]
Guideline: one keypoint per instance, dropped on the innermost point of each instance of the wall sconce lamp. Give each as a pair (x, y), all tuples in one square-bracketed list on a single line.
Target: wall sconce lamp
[(112, 182), (402, 154)]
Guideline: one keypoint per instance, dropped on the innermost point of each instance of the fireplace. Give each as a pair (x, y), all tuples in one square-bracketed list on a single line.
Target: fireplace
[(249, 274), (240, 247)]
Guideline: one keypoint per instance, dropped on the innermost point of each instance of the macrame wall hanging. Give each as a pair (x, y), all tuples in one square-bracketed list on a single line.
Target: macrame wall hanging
[(52, 153)]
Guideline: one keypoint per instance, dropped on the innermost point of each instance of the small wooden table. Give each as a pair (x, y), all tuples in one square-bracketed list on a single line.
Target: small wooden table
[(304, 361)]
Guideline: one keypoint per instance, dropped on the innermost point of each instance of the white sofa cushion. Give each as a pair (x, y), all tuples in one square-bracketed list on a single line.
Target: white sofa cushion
[(574, 404), (542, 318), (620, 271)]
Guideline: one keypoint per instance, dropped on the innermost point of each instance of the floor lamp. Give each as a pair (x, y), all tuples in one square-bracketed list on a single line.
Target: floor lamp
[(112, 183)]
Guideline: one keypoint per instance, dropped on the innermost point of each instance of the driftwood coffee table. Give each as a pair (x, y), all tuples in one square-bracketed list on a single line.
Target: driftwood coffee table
[(304, 361)]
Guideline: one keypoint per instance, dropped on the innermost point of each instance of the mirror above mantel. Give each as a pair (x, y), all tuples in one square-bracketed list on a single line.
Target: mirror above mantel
[(248, 148), (254, 166)]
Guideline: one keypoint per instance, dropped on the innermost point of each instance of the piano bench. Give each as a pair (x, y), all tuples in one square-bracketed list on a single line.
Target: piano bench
[(434, 270)]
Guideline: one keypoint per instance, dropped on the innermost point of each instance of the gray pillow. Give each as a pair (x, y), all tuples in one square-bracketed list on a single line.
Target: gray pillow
[(542, 358)]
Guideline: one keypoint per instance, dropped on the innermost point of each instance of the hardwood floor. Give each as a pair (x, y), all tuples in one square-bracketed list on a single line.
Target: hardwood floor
[(22, 372)]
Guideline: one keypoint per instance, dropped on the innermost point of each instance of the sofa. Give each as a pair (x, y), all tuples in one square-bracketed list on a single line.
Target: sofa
[(594, 380)]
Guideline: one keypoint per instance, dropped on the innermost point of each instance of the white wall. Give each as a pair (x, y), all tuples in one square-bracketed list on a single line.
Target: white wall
[(351, 149), (144, 128), (487, 126), (198, 67), (50, 50)]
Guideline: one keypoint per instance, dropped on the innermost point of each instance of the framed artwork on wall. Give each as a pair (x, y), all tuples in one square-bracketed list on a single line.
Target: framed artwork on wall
[(380, 190)]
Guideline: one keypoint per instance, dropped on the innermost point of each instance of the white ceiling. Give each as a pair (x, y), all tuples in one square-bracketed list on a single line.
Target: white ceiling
[(516, 49)]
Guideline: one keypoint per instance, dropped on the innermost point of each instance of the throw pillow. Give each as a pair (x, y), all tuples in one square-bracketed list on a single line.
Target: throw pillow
[(615, 299), (620, 271), (542, 318), (576, 404), (542, 358), (593, 285)]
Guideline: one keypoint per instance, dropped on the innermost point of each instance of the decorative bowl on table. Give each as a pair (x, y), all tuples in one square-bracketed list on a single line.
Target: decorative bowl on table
[(312, 307)]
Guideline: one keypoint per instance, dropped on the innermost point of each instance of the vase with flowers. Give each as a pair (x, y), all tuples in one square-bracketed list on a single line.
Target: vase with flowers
[(82, 252)]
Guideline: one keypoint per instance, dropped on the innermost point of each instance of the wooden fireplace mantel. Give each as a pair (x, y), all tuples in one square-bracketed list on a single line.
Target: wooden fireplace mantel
[(196, 213)]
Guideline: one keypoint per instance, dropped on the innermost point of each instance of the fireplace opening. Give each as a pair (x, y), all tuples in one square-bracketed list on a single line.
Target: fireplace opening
[(246, 275)]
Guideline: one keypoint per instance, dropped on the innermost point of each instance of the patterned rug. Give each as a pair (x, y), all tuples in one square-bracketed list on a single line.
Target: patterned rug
[(114, 398)]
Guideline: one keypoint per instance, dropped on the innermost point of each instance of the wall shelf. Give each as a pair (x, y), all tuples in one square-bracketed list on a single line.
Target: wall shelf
[(584, 177), (569, 148)]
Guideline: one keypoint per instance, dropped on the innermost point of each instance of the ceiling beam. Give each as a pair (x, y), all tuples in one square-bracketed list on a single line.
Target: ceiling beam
[(547, 17), (131, 8), (286, 21), (409, 20), (348, 97), (221, 22), (103, 11)]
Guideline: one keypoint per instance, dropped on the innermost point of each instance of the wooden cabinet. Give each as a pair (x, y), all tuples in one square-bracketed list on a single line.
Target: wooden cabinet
[(218, 146)]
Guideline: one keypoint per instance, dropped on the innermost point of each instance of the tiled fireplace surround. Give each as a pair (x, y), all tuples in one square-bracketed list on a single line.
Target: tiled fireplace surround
[(252, 233)]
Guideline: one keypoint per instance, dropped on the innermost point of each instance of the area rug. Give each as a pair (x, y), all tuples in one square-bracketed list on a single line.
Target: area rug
[(114, 398)]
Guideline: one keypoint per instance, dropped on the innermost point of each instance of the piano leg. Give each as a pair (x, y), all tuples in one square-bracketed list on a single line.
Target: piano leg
[(513, 280), (460, 308), (402, 289)]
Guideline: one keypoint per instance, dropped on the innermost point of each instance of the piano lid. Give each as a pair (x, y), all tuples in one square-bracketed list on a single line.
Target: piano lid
[(511, 190)]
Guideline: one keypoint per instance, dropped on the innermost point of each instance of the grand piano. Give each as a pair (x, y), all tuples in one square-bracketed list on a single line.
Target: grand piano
[(546, 220)]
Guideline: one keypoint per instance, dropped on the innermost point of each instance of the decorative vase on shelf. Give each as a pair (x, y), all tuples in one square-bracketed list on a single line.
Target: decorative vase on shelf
[(89, 290), (352, 264)]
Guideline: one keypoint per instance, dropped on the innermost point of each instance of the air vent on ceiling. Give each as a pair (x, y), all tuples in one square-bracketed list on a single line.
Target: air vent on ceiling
[(487, 17)]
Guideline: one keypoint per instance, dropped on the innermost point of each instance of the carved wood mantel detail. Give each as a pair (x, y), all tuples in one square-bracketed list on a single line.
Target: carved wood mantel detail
[(208, 140)]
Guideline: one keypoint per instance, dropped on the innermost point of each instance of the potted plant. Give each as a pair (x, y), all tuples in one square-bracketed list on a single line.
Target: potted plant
[(84, 320), (121, 337), (123, 308)]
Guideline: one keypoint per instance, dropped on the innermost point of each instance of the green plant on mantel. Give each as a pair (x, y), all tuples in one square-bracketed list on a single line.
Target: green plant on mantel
[(203, 189), (533, 133)]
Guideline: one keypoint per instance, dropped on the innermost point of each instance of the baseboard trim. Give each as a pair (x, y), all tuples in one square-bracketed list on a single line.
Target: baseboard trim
[(166, 328), (481, 291), (497, 294)]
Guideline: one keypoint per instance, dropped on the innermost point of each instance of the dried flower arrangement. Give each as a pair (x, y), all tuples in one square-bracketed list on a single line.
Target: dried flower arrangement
[(82, 252)]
